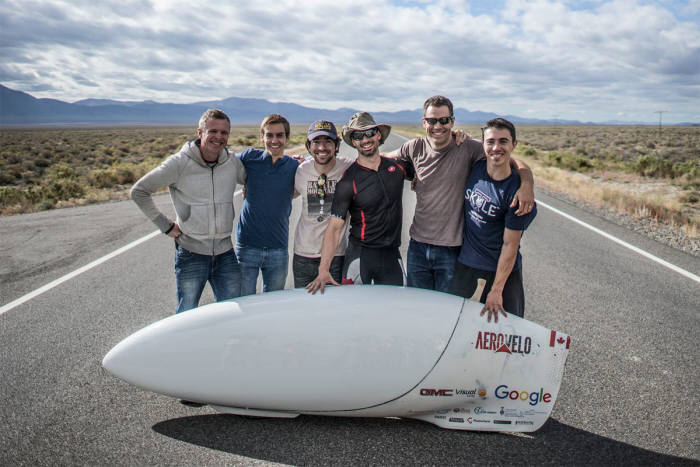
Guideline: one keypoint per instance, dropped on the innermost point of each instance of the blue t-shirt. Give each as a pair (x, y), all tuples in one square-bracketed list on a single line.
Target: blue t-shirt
[(264, 220), (486, 216)]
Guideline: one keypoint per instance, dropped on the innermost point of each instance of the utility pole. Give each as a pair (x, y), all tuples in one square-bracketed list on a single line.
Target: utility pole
[(660, 112)]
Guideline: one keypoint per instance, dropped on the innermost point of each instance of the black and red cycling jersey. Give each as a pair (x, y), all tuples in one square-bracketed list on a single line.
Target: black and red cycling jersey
[(373, 199)]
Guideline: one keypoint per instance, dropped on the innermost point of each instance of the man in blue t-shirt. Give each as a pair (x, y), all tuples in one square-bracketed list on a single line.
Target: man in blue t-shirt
[(492, 231), (263, 228)]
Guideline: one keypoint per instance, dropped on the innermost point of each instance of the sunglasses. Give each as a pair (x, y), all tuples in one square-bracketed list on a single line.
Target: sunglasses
[(321, 183), (358, 135), (442, 120)]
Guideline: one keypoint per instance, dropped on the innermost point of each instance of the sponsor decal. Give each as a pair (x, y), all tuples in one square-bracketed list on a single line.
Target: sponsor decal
[(461, 409), (510, 412), (481, 411), (524, 422), (440, 417), (559, 340), (502, 422), (503, 343), (436, 392), (476, 420), (443, 411), (533, 398), (482, 392), (457, 419)]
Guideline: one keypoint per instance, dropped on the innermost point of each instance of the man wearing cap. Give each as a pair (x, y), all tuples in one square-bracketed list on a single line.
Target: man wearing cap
[(370, 190), (262, 234), (315, 181), (441, 171)]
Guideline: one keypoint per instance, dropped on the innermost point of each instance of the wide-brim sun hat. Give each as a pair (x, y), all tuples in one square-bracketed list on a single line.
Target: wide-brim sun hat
[(364, 121)]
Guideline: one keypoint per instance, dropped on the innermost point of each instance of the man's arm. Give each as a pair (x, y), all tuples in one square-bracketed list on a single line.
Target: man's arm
[(525, 197), (142, 191), (330, 242), (506, 261)]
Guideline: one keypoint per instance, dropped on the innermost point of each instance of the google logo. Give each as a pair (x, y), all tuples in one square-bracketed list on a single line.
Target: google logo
[(534, 398)]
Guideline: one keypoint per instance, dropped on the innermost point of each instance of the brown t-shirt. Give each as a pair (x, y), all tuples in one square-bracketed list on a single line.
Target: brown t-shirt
[(441, 177)]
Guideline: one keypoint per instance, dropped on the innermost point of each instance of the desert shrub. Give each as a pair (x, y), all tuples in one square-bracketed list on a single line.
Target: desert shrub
[(10, 195), (64, 190), (102, 178), (652, 165), (62, 171), (528, 151), (570, 161), (46, 204)]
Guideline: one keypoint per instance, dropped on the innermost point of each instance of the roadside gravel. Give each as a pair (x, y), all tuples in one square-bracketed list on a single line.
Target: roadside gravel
[(661, 232)]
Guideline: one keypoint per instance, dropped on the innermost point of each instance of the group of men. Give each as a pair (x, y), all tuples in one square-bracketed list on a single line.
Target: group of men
[(473, 202)]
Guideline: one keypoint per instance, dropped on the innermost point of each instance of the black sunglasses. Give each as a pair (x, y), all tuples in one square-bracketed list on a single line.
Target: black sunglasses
[(358, 135), (442, 120)]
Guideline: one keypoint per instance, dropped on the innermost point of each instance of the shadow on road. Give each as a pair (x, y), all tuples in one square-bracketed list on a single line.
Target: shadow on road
[(311, 440)]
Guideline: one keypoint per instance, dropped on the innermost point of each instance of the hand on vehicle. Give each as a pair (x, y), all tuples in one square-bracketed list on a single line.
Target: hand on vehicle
[(494, 305), (323, 278)]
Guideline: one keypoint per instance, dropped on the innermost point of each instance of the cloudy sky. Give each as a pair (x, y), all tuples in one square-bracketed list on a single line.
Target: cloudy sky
[(579, 60)]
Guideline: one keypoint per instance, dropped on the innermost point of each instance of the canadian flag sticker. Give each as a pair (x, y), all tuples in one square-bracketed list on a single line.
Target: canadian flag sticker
[(558, 339)]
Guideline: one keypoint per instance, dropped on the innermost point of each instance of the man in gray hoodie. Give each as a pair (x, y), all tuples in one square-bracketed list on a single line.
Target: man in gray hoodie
[(201, 178)]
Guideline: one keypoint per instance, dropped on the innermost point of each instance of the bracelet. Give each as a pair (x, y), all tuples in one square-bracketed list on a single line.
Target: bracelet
[(171, 228)]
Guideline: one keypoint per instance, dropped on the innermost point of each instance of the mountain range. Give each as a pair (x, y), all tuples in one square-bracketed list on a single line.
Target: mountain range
[(20, 108)]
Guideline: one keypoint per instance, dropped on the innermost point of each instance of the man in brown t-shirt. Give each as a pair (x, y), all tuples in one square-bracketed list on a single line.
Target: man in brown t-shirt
[(441, 172)]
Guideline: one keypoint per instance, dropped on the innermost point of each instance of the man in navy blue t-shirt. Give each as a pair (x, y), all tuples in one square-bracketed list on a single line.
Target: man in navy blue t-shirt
[(492, 231), (262, 234)]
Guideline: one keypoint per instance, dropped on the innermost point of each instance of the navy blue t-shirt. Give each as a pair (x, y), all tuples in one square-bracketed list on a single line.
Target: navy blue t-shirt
[(486, 216), (264, 220)]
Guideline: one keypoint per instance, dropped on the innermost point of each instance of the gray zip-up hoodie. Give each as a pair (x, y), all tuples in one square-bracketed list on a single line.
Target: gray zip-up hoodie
[(201, 195)]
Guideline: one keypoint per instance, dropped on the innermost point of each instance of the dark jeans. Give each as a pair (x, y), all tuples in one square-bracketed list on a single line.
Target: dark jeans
[(272, 262), (430, 266), (192, 271), (305, 269), (465, 282)]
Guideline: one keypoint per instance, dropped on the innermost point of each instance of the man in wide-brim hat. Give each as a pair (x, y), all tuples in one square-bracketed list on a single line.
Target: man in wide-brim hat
[(370, 190), (364, 121)]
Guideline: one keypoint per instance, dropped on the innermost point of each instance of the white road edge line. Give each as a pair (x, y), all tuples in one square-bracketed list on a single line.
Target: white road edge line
[(662, 262), (87, 267), (78, 271)]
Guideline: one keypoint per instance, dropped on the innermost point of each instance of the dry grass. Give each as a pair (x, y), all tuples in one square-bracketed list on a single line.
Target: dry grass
[(53, 168)]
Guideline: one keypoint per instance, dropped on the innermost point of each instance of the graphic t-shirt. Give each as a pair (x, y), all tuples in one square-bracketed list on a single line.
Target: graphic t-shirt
[(264, 221), (486, 216), (317, 195)]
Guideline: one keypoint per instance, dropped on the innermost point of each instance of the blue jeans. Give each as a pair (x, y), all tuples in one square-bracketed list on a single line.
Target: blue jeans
[(430, 266), (271, 261), (192, 271)]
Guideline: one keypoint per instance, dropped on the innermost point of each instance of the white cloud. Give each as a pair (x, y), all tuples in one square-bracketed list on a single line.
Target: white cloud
[(587, 61)]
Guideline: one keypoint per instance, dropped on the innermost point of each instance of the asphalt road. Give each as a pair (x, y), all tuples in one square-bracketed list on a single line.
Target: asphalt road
[(629, 394)]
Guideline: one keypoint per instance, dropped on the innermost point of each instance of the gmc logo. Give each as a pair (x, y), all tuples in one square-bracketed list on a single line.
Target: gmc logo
[(436, 392)]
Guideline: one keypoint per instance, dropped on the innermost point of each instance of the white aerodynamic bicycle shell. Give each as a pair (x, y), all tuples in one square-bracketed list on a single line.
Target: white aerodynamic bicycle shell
[(354, 351)]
